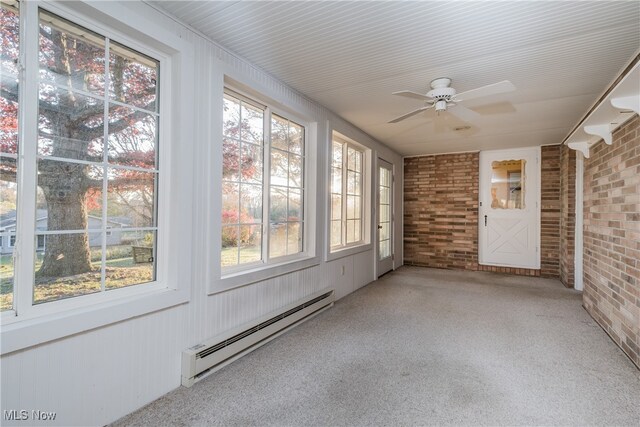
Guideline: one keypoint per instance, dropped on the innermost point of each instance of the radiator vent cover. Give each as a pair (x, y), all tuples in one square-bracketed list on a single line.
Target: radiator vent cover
[(205, 358)]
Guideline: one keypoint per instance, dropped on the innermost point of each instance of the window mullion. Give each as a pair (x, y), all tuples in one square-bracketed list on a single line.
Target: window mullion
[(27, 159)]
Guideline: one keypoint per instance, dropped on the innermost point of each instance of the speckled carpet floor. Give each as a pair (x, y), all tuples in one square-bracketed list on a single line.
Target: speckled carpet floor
[(424, 347)]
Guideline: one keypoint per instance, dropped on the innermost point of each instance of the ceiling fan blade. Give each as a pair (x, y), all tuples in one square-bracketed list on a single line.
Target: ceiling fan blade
[(464, 113), (493, 89), (406, 116), (410, 94)]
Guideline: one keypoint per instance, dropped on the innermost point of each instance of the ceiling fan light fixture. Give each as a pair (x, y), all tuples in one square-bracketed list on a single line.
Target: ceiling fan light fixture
[(441, 105)]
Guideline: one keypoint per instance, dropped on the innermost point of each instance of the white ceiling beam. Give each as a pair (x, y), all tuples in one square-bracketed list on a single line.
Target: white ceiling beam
[(627, 103), (602, 131)]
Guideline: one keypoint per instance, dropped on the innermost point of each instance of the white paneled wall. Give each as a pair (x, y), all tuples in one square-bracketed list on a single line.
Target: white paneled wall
[(98, 376)]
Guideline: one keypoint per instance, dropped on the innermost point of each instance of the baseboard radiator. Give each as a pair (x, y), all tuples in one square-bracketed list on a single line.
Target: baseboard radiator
[(213, 354)]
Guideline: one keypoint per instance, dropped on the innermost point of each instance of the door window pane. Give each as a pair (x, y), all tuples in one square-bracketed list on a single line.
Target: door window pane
[(384, 213), (507, 184)]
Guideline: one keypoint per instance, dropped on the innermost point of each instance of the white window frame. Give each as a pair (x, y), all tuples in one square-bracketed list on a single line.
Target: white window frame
[(29, 324), (364, 244), (269, 111), (228, 78)]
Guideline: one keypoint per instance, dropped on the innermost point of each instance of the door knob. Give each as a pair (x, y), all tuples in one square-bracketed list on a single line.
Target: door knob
[(379, 227), (485, 220)]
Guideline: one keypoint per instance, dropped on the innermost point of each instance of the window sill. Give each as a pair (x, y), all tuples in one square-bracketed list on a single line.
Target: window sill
[(21, 334), (352, 250), (247, 277)]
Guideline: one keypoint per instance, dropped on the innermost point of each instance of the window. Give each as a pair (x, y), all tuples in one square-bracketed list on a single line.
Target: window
[(507, 184), (95, 160), (262, 184), (347, 195)]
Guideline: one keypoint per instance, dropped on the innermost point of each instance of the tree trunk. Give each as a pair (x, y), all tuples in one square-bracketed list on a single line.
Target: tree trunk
[(65, 184), (64, 187)]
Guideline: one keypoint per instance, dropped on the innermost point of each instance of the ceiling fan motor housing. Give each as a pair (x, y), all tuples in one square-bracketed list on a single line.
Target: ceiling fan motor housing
[(441, 93)]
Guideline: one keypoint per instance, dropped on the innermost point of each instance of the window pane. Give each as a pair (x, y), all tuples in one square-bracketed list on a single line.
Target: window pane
[(353, 182), (230, 159), (230, 203), (353, 207), (131, 198), (279, 168), (336, 155), (133, 77), (294, 238), (296, 138), (71, 55), (336, 180), (252, 124), (278, 204), (229, 255), (130, 258), (357, 224), (336, 233), (295, 171), (8, 203), (69, 267), (384, 231), (251, 243), (279, 133), (384, 195), (351, 234), (70, 125), (384, 249), (69, 196), (507, 184), (251, 163), (6, 268), (132, 137), (10, 51), (250, 203), (231, 117), (336, 206), (277, 240), (295, 205), (242, 203)]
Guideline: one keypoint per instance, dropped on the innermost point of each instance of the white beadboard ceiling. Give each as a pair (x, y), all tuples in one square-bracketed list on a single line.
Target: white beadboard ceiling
[(350, 57)]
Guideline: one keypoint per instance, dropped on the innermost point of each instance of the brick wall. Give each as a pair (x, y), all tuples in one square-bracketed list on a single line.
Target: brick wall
[(441, 211), (612, 237), (567, 215), (550, 211)]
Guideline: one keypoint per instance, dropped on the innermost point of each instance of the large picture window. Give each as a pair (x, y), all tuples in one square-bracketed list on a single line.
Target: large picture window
[(94, 165), (347, 172), (262, 184)]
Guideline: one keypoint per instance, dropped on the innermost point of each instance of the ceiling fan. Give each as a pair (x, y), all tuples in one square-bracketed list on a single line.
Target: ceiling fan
[(442, 96)]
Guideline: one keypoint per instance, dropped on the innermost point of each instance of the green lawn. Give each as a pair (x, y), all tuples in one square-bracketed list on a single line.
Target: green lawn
[(121, 271), (229, 256)]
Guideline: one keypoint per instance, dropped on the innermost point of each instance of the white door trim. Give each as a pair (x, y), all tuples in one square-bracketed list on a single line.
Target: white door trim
[(485, 190)]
